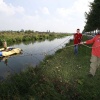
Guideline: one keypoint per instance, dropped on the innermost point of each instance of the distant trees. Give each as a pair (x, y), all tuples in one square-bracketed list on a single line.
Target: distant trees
[(93, 17), (29, 31)]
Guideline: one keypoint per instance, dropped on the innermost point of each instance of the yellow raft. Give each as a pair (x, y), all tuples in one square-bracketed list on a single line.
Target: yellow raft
[(10, 51)]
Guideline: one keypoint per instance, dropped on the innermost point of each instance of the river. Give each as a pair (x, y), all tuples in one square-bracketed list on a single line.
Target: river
[(33, 53)]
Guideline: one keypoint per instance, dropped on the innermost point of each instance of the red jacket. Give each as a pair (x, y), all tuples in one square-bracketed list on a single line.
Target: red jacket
[(96, 45), (77, 38)]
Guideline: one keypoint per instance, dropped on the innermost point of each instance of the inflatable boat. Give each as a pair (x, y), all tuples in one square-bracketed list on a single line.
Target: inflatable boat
[(9, 51)]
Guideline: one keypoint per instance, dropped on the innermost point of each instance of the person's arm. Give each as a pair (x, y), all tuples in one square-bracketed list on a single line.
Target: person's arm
[(88, 41), (80, 39), (81, 36)]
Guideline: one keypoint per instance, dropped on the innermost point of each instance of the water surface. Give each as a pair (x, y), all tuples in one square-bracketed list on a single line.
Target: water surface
[(33, 54)]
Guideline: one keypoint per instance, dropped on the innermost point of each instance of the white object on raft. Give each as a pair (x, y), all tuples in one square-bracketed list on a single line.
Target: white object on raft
[(10, 51)]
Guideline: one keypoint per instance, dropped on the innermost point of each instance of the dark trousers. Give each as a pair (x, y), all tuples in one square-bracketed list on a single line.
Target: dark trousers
[(76, 49)]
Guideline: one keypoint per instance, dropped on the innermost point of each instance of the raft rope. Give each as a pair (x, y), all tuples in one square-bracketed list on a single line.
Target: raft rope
[(45, 53), (32, 55), (58, 45), (91, 47)]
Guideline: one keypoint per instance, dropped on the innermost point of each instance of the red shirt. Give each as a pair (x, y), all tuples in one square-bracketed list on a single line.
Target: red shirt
[(77, 38), (96, 45)]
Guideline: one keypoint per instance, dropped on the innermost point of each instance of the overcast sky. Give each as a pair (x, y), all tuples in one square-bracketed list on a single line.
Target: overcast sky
[(43, 15)]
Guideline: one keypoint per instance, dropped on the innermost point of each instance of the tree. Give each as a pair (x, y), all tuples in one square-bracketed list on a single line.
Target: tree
[(93, 17)]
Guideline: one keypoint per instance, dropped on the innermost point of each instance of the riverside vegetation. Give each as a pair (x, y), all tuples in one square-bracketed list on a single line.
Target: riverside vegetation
[(62, 76), (21, 36)]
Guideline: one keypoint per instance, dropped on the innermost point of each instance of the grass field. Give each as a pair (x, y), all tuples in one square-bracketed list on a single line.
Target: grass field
[(62, 76)]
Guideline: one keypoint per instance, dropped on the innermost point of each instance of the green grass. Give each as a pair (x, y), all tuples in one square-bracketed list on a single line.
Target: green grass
[(17, 37), (62, 76)]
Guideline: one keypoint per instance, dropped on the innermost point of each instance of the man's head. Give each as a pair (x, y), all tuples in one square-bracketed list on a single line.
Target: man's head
[(78, 30)]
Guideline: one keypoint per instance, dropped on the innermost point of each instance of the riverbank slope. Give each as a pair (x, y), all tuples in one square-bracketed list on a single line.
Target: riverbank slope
[(62, 76)]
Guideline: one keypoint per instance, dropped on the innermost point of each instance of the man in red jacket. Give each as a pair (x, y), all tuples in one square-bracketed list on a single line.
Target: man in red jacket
[(95, 56), (77, 40)]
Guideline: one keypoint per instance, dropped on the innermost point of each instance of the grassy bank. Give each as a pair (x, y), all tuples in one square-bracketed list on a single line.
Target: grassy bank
[(62, 76), (15, 37)]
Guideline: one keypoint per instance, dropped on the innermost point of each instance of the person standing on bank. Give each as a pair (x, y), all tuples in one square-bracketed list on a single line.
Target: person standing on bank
[(5, 45), (77, 40), (95, 55)]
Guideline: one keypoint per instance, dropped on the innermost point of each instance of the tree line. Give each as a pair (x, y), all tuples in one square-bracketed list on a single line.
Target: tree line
[(93, 17)]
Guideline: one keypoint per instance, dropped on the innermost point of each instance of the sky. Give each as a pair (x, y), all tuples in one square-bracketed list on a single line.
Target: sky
[(43, 15)]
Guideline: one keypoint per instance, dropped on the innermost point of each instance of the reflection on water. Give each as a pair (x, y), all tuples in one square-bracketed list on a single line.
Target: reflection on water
[(5, 59), (33, 53)]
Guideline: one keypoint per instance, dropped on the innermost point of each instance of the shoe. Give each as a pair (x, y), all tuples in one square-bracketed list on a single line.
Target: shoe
[(90, 75)]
